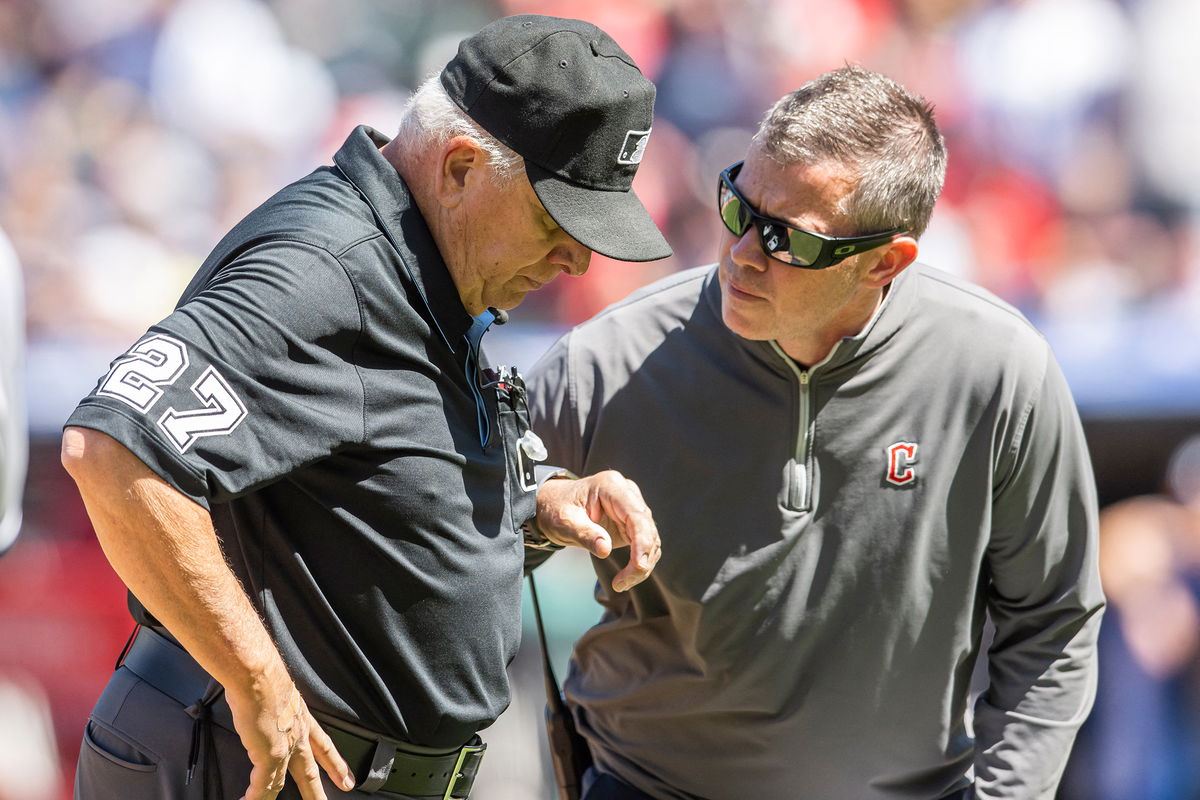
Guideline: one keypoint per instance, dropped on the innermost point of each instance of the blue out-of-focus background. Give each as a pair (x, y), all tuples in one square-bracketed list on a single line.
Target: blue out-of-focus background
[(134, 133)]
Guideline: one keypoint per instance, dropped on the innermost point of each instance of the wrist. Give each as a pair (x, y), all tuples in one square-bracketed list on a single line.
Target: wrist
[(250, 664), (543, 474), (535, 537)]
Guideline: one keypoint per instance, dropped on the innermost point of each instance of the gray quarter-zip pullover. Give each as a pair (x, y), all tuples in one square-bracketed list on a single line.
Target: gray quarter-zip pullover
[(832, 538)]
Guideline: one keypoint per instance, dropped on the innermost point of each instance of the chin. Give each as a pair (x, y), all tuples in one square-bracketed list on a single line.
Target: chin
[(508, 301), (745, 325)]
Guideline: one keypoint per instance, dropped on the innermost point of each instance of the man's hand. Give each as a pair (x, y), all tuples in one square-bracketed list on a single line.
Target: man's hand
[(281, 736), (599, 513)]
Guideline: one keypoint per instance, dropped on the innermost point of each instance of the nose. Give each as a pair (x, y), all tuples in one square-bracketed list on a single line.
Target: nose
[(746, 250), (570, 256)]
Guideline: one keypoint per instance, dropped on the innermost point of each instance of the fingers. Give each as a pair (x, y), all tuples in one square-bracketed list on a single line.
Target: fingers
[(329, 758), (636, 528), (266, 781), (564, 517), (281, 738), (304, 770), (311, 753), (584, 532), (644, 552), (601, 512), (268, 776), (315, 751)]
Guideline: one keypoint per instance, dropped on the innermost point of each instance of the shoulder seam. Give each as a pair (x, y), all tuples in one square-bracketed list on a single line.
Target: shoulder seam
[(337, 258), (351, 245), (647, 296), (984, 298), (293, 240)]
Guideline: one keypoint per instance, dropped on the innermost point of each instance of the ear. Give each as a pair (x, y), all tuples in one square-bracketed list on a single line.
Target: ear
[(892, 260), (460, 163)]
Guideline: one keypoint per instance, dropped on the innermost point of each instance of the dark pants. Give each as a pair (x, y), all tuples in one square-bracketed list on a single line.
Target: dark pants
[(602, 786), (137, 745)]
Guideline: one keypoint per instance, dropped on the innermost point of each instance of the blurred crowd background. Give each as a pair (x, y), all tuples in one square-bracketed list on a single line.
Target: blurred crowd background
[(134, 133)]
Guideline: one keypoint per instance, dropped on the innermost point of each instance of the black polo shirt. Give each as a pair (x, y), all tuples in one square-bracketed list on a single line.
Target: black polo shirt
[(313, 389)]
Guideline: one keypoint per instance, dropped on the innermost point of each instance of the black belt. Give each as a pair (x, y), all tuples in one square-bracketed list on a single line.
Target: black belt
[(377, 762), (169, 668), (380, 763)]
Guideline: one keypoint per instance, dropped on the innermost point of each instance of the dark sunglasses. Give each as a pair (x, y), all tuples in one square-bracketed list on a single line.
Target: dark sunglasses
[(793, 246)]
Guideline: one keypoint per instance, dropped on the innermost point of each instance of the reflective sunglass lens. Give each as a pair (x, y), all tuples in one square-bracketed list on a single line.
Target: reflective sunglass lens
[(805, 248), (774, 240), (733, 213)]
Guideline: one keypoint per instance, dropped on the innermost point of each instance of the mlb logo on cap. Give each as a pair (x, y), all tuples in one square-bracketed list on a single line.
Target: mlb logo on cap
[(634, 147)]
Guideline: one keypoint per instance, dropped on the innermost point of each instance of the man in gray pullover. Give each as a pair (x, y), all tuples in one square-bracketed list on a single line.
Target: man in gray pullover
[(853, 460)]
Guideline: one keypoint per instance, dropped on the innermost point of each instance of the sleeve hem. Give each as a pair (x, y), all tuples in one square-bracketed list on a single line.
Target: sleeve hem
[(155, 459)]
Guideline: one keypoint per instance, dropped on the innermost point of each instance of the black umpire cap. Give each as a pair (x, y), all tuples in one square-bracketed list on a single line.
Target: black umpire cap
[(566, 98)]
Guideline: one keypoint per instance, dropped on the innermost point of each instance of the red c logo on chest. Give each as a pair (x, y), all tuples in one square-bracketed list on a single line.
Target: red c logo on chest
[(901, 457)]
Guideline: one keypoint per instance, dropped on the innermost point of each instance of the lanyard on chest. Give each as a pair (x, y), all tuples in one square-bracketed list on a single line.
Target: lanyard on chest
[(479, 325)]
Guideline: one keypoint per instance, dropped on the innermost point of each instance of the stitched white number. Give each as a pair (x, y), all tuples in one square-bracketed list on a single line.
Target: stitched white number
[(224, 411), (152, 366), (139, 378)]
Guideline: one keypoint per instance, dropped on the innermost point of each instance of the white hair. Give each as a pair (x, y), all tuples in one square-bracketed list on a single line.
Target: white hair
[(432, 118)]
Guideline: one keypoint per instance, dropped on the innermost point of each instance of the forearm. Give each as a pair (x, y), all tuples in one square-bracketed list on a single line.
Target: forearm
[(1044, 597), (1026, 723), (1046, 605), (163, 546)]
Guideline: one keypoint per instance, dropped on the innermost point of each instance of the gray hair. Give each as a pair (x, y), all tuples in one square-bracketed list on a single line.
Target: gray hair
[(868, 122), (431, 118)]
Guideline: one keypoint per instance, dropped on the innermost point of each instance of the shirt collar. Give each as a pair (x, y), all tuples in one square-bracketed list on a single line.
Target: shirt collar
[(397, 215), (886, 320)]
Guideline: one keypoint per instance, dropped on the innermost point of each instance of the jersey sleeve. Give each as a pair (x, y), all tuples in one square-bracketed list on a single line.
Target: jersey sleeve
[(1044, 598), (251, 376)]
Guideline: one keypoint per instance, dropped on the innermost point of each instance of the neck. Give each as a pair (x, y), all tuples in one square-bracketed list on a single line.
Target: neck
[(418, 171), (814, 347), (419, 182)]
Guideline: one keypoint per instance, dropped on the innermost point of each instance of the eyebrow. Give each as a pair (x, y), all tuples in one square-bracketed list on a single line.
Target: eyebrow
[(839, 214)]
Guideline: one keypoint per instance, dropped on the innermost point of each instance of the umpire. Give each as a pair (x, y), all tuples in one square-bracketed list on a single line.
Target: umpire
[(312, 487)]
